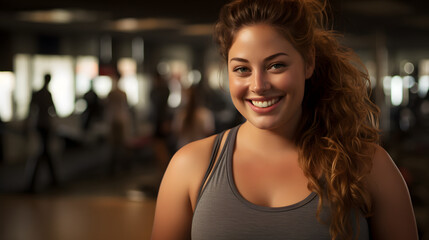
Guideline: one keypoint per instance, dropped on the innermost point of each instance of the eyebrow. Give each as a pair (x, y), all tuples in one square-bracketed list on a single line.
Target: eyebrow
[(266, 59), (275, 55)]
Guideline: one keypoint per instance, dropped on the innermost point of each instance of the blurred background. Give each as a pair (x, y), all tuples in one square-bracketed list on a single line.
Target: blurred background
[(81, 157)]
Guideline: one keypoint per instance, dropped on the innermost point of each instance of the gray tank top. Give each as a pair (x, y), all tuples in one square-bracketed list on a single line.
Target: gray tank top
[(222, 213)]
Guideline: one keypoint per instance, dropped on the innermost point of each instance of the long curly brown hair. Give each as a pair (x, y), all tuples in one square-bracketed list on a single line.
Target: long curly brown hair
[(339, 124)]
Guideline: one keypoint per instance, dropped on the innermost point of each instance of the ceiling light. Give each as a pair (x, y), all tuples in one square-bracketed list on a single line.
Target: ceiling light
[(57, 16), (136, 24), (198, 29)]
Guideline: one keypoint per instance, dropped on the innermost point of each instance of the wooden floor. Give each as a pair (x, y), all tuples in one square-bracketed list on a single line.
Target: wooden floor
[(26, 217), (89, 203)]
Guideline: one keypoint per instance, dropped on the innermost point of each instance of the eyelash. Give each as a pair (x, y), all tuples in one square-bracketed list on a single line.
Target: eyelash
[(272, 66), (240, 69), (279, 65)]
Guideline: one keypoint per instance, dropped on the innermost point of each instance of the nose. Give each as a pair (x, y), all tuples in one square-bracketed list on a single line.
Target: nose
[(259, 82)]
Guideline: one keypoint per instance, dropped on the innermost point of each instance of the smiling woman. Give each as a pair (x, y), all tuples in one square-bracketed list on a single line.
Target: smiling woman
[(306, 164)]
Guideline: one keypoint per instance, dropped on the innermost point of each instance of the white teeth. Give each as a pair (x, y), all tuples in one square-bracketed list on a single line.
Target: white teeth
[(264, 104)]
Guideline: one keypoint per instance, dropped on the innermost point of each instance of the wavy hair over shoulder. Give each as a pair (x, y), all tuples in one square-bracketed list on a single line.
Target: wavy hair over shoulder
[(339, 124)]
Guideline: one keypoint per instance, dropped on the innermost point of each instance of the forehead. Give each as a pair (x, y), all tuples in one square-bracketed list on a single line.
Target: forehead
[(259, 38)]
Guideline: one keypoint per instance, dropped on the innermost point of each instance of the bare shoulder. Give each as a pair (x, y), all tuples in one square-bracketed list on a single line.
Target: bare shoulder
[(190, 164), (383, 165), (193, 155), (393, 215), (385, 172), (175, 202), (385, 176)]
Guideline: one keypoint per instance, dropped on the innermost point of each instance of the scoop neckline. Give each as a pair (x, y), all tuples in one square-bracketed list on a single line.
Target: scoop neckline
[(230, 150)]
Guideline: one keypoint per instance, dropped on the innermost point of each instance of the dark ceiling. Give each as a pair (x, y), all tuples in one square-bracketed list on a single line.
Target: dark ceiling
[(192, 10), (398, 20)]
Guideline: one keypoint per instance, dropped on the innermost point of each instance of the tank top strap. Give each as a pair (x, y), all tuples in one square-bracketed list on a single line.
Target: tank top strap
[(232, 135), (215, 150)]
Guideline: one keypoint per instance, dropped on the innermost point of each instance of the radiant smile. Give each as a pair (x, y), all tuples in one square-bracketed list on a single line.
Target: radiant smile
[(265, 104)]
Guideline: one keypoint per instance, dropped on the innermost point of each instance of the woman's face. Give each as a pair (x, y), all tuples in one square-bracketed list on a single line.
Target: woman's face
[(266, 78)]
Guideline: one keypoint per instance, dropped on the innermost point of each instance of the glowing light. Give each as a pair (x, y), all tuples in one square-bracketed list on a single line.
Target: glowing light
[(130, 86), (50, 16), (424, 67), (86, 70), (409, 68), (128, 83), (396, 90), (198, 30), (214, 81), (174, 100), (194, 77), (127, 67), (81, 106), (175, 97), (163, 68), (409, 82), (58, 16), (102, 86), (127, 24), (22, 92), (423, 86), (136, 24), (387, 82), (7, 80)]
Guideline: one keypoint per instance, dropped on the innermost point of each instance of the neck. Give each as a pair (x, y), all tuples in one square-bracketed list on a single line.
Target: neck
[(271, 140)]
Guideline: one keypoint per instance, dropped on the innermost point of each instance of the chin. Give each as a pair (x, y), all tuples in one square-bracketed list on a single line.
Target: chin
[(264, 124)]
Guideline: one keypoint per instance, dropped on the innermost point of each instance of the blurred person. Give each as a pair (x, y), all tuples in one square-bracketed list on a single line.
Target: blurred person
[(93, 109), (193, 121), (161, 117), (119, 121), (160, 110), (306, 164), (42, 111)]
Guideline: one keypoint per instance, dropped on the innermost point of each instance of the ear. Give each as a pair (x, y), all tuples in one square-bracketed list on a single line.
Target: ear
[(309, 66)]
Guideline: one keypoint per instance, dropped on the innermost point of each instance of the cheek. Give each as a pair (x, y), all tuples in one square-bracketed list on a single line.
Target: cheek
[(291, 81), (237, 87), (299, 91)]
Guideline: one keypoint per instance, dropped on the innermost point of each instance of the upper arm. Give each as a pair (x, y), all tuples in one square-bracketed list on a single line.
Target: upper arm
[(173, 213), (393, 215)]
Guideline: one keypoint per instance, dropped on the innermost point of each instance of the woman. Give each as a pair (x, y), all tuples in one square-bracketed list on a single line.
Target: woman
[(305, 164)]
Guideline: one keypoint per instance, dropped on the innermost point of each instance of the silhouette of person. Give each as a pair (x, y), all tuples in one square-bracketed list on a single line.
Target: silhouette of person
[(93, 107), (159, 97), (119, 119), (160, 114), (42, 109)]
